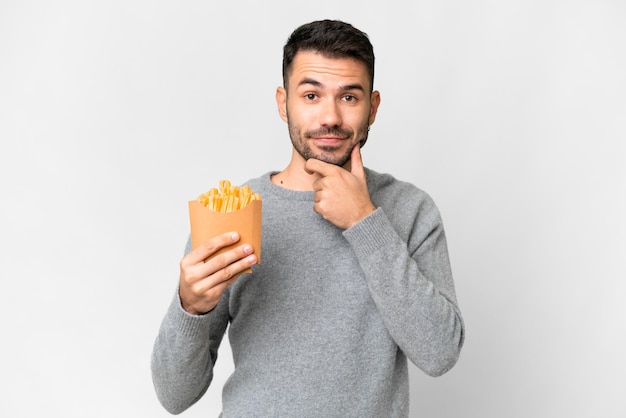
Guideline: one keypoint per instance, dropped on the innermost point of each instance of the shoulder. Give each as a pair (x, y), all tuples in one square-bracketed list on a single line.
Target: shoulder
[(261, 183), (408, 207), (386, 186)]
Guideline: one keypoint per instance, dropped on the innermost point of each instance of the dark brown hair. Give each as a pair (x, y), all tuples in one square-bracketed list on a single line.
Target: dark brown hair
[(333, 39)]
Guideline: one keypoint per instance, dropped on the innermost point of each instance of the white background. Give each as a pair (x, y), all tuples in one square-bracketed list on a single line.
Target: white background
[(511, 114)]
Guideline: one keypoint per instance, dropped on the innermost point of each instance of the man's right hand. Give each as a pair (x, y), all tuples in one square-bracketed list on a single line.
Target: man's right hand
[(204, 279)]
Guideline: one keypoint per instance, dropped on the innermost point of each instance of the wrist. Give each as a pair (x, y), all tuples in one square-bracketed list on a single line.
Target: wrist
[(364, 213), (188, 308)]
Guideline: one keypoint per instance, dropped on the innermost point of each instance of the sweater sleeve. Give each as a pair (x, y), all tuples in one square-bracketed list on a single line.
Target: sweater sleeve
[(184, 353), (412, 287)]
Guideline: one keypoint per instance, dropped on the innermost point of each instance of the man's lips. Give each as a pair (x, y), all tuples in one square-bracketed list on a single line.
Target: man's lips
[(329, 140)]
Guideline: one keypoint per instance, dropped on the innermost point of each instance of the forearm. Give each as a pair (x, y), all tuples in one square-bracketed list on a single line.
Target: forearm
[(183, 357), (415, 295)]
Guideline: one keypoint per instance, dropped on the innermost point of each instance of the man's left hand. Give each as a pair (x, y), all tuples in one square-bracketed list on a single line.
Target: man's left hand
[(341, 196)]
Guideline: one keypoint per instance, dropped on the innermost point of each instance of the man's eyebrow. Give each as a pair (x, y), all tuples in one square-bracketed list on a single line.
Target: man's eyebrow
[(353, 87), (310, 81), (316, 83)]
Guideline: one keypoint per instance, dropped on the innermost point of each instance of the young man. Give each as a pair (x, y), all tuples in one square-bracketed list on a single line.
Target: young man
[(355, 276)]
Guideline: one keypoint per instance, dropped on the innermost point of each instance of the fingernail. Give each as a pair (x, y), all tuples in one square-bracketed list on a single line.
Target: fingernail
[(247, 249), (234, 236)]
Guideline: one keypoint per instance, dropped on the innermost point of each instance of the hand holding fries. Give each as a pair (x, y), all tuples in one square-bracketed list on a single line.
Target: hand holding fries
[(226, 241), (204, 277)]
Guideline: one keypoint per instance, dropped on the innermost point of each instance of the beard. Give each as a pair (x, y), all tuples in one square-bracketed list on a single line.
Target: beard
[(300, 142)]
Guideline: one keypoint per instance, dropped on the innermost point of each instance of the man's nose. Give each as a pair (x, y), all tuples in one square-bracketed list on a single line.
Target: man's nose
[(331, 114)]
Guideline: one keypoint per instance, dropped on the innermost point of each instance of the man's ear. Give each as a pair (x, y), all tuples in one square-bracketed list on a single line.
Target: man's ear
[(375, 102), (281, 102)]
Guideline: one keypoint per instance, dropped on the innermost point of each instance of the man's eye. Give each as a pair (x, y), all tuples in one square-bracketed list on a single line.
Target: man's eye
[(310, 96), (349, 98)]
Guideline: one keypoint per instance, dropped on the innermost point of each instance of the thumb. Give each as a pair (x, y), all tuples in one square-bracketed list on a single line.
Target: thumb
[(356, 162)]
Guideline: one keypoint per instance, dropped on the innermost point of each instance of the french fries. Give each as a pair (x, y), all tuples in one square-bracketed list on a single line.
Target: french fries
[(228, 198)]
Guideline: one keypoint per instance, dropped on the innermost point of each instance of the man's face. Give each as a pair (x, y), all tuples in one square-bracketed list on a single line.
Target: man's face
[(328, 106)]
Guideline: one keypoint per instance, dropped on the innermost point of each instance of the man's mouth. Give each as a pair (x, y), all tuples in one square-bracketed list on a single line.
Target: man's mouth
[(328, 143), (333, 139), (334, 134)]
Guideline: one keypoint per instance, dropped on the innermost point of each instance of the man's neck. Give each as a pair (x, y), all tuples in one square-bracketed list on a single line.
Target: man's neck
[(294, 177)]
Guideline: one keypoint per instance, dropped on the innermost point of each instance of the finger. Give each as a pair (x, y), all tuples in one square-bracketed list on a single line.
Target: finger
[(218, 268), (233, 270), (315, 166), (318, 184), (356, 162), (225, 259), (218, 280), (211, 246)]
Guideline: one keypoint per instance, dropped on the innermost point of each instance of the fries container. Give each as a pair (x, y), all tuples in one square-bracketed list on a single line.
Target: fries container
[(206, 224)]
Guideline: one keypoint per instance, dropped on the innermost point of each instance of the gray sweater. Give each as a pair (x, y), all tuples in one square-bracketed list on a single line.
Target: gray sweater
[(324, 325)]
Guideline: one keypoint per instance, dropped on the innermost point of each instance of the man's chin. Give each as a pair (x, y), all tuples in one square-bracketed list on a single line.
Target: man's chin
[(333, 159), (336, 155)]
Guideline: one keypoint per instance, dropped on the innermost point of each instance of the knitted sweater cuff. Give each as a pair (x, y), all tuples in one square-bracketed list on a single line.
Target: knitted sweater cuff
[(371, 234), (190, 325)]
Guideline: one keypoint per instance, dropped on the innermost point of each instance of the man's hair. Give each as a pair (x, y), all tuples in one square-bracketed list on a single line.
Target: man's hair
[(332, 39)]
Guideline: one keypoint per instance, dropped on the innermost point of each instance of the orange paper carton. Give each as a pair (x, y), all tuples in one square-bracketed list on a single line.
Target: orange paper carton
[(208, 220)]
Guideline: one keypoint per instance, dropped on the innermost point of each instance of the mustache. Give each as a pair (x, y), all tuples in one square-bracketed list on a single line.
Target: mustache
[(334, 131)]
